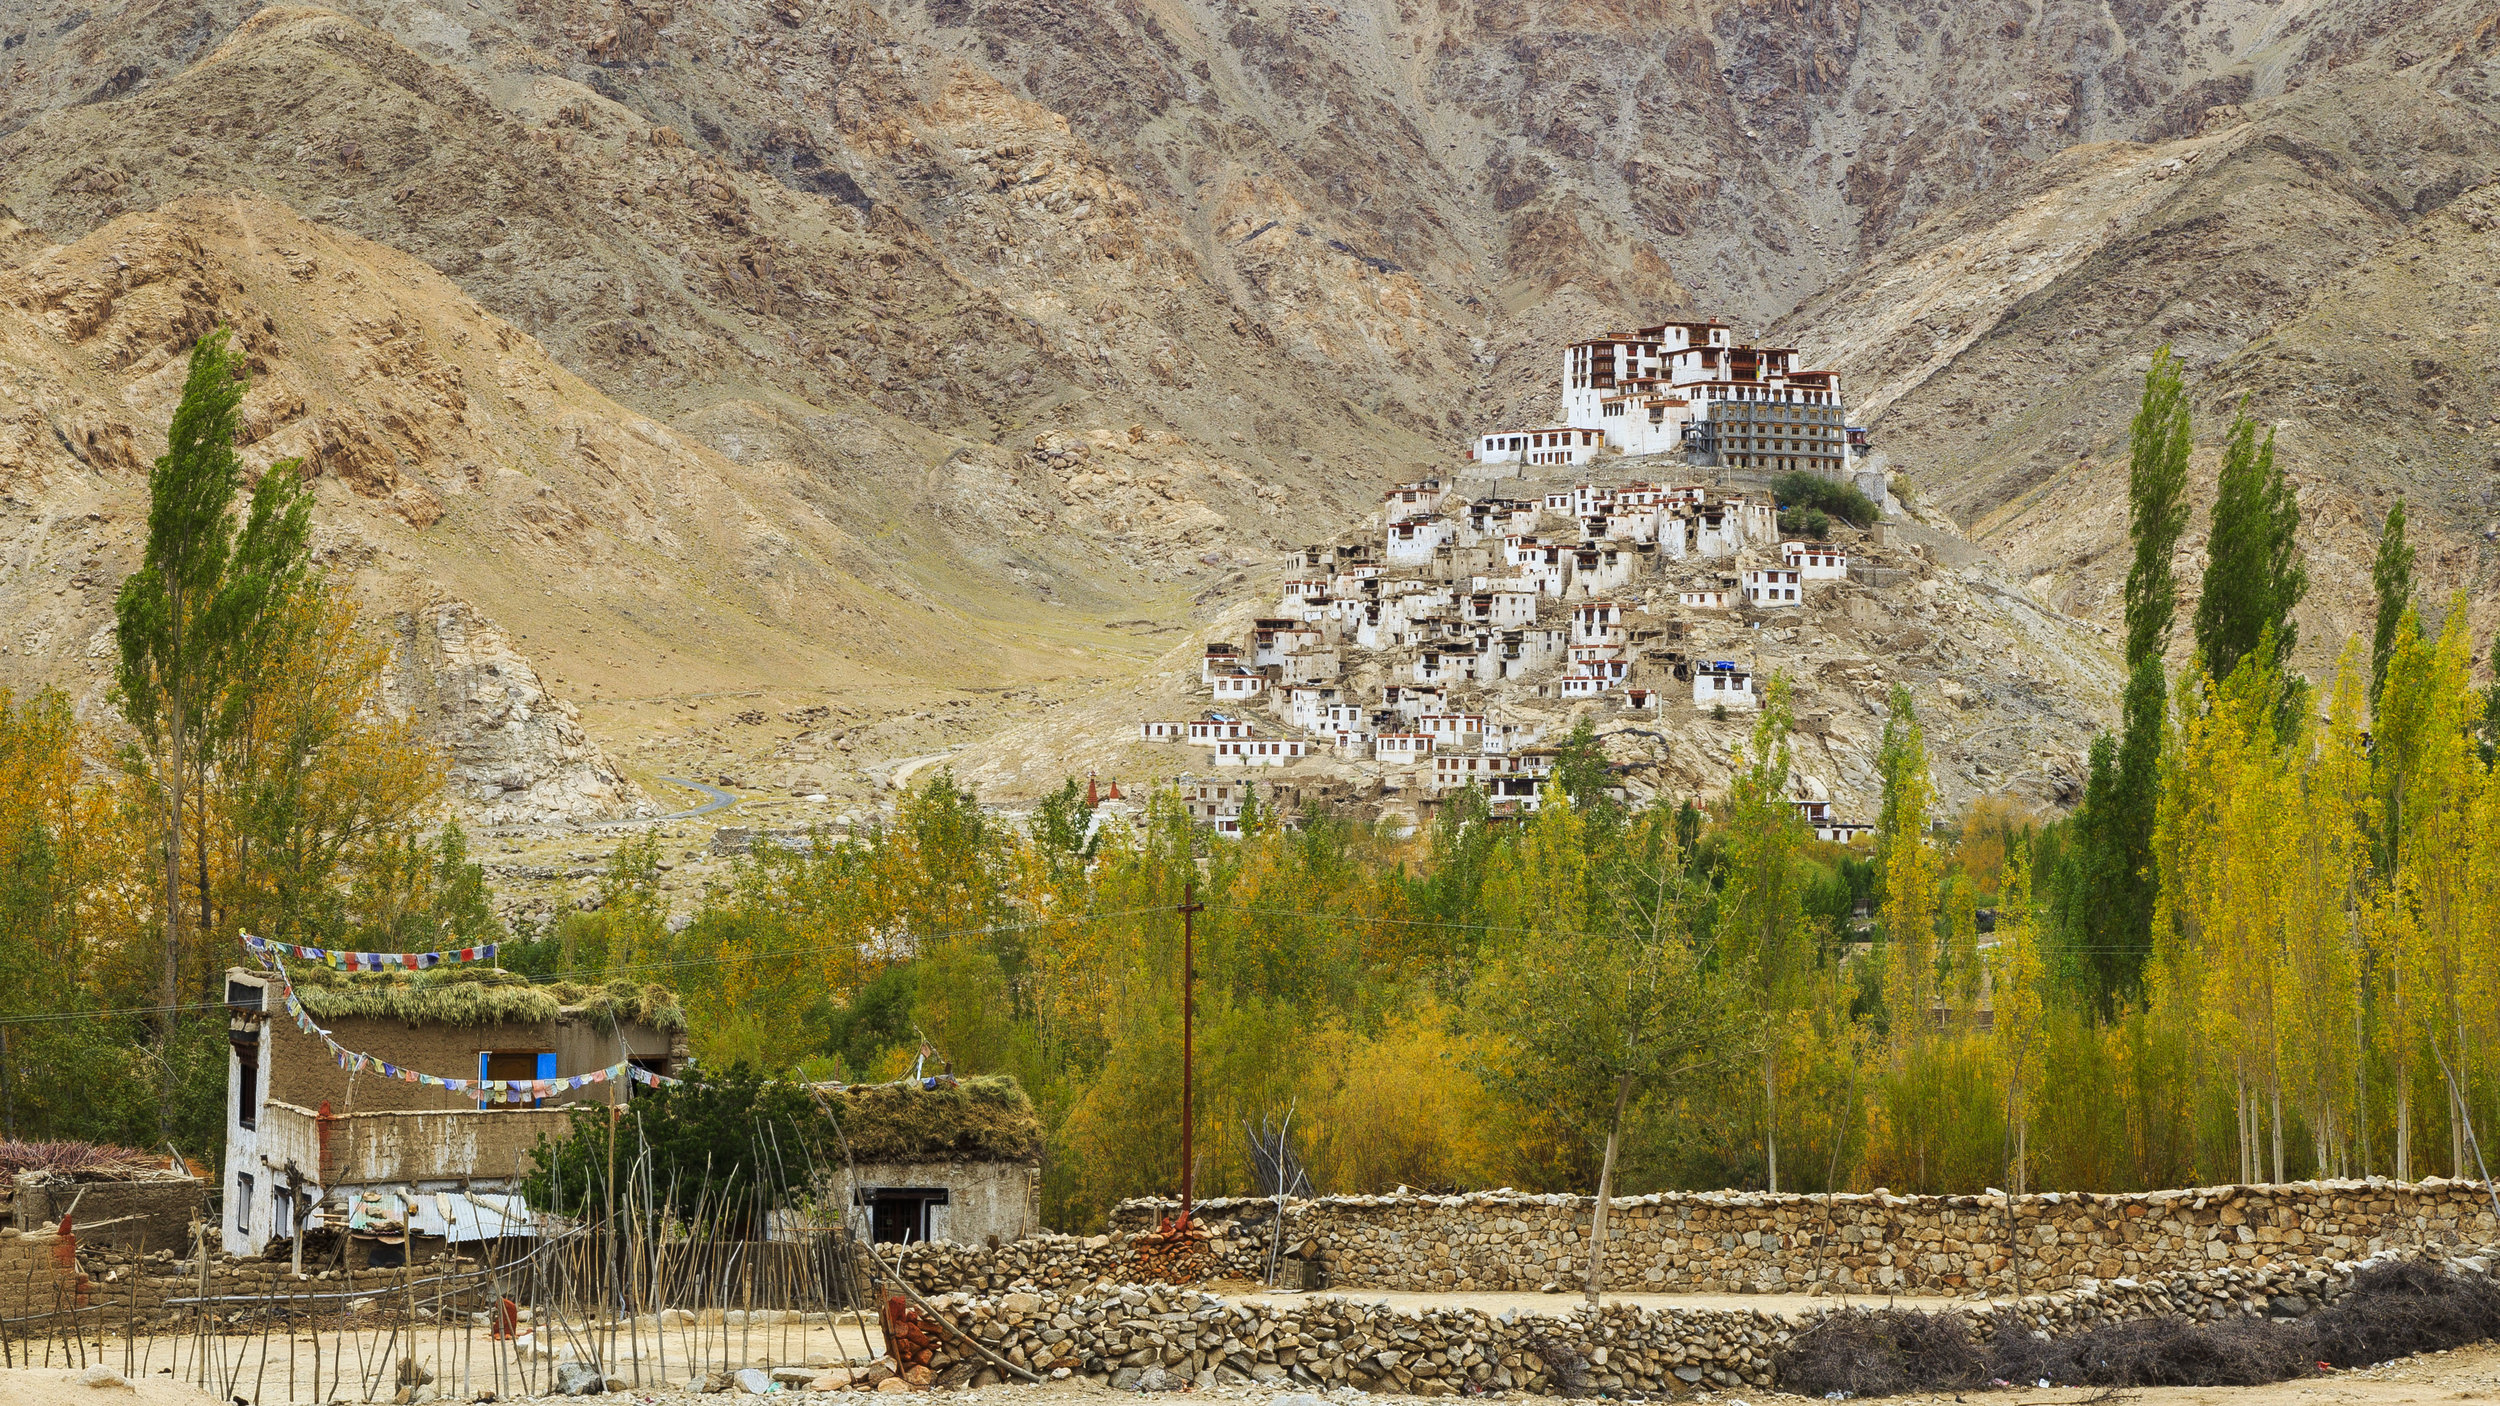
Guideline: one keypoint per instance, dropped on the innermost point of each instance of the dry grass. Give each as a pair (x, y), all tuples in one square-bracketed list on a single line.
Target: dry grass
[(472, 996), (81, 1161), (987, 1119)]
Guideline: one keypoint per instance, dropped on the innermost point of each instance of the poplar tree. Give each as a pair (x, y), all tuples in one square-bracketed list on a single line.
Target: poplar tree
[(196, 615), (2020, 1028), (2253, 575), (1762, 916), (2157, 512), (2111, 933), (1909, 870), (2392, 575)]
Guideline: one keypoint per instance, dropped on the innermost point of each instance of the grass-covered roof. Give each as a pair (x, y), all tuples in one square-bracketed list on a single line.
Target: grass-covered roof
[(985, 1119), (470, 995)]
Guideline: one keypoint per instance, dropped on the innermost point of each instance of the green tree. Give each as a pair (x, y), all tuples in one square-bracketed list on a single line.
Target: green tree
[(732, 1143), (2128, 859), (1585, 1014), (183, 620), (2253, 575), (2392, 575), (1581, 768), (2489, 726), (2157, 512), (1762, 918)]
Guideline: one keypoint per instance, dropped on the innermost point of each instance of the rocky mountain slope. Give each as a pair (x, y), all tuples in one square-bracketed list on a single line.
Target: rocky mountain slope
[(934, 355), (2326, 259)]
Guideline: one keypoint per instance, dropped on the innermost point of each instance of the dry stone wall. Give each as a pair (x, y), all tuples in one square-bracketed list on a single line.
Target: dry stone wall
[(1737, 1242), (1155, 1336)]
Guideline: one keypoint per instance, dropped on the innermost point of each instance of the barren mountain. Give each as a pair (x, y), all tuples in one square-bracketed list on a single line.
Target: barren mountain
[(949, 348)]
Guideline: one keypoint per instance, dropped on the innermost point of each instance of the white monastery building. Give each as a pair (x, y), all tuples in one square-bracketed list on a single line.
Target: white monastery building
[(1687, 388)]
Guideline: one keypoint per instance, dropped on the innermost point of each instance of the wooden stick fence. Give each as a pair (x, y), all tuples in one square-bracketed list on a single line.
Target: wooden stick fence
[(637, 1298)]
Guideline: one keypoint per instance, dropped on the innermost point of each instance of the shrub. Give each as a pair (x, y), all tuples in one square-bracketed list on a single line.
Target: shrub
[(1806, 522), (1800, 491)]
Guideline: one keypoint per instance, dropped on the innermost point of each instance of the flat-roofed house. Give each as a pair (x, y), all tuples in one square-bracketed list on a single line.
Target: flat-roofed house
[(370, 1153)]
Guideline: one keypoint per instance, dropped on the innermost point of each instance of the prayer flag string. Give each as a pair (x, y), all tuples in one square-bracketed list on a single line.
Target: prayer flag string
[(483, 1090)]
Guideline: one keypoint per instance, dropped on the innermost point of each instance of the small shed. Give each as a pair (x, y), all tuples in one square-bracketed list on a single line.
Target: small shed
[(941, 1159), (116, 1196)]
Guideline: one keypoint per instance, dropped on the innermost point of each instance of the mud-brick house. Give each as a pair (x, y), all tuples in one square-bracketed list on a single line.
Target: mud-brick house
[(941, 1159), (313, 1146)]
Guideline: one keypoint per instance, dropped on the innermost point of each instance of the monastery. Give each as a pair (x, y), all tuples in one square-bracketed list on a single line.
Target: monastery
[(1452, 637), (1684, 388)]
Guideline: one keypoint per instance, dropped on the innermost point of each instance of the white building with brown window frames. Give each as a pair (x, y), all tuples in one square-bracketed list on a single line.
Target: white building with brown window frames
[(1771, 587), (1815, 561)]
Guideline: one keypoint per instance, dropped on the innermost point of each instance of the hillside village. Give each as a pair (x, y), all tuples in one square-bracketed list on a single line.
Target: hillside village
[(1626, 565)]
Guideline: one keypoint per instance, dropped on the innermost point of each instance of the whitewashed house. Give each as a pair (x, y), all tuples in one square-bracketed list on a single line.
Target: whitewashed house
[(1413, 703), (1492, 519), (1239, 686), (1411, 540), (1717, 599), (1418, 499), (1217, 727), (1214, 803), (1151, 731), (1771, 587), (1815, 561), (1553, 445), (1501, 609), (1260, 751), (1597, 622), (1723, 686), (1451, 732), (1306, 705), (1401, 748), (1599, 567)]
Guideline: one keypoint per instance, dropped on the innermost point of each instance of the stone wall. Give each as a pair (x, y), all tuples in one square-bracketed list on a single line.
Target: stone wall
[(145, 1288), (1739, 1242), (1116, 1336)]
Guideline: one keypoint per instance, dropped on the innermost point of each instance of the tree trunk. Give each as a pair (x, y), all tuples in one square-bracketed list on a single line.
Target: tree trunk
[(1606, 1192), (2274, 1095), (169, 991), (2404, 1127), (2361, 1067), (2022, 1143), (1771, 1118)]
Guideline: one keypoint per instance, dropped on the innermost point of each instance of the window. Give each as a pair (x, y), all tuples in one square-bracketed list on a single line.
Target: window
[(247, 1080), (243, 1203), (517, 1064)]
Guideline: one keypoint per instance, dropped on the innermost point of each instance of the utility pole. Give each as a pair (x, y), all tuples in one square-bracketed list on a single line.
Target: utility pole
[(1189, 980)]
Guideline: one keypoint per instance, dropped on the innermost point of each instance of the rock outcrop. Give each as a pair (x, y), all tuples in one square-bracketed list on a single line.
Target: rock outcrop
[(518, 756)]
